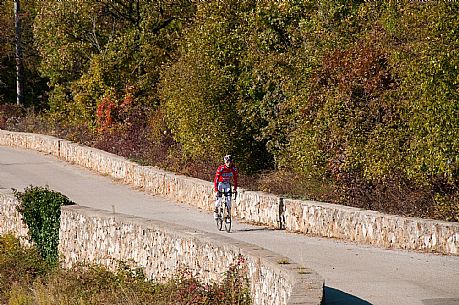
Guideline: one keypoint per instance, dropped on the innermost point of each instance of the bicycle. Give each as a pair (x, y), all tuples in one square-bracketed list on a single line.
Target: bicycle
[(224, 213)]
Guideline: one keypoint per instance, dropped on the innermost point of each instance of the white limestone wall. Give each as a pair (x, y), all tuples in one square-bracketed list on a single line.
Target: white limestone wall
[(10, 219), (370, 227)]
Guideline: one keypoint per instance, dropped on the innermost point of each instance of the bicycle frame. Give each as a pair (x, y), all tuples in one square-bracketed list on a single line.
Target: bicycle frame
[(224, 213)]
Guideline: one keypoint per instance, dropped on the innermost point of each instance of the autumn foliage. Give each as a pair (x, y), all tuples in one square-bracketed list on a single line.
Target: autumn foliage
[(357, 100)]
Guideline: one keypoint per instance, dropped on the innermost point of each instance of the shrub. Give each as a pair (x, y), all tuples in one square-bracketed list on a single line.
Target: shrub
[(18, 265), (41, 211)]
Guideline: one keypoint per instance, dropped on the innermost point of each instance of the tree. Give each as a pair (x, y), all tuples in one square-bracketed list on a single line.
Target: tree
[(7, 75), (34, 87), (19, 56), (93, 48)]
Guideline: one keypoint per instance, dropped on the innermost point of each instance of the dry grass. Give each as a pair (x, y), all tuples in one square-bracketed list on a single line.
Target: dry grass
[(26, 279)]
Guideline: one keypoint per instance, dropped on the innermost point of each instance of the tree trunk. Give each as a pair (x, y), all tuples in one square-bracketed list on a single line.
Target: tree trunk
[(19, 63)]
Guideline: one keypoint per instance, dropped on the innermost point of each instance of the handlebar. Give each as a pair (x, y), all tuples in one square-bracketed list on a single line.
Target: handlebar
[(226, 194)]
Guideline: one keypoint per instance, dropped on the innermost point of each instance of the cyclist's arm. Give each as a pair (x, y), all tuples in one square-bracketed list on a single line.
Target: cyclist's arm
[(217, 177)]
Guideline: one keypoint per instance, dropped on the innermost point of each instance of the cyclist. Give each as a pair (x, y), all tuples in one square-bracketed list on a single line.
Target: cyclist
[(222, 182)]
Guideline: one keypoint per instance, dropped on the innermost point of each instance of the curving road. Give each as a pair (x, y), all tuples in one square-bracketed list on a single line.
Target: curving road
[(357, 275)]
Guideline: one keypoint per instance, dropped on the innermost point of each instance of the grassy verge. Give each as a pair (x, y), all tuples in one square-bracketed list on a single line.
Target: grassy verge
[(25, 278)]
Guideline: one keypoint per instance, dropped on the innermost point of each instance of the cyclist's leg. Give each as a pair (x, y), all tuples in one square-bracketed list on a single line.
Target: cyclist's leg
[(228, 195), (228, 205), (218, 200)]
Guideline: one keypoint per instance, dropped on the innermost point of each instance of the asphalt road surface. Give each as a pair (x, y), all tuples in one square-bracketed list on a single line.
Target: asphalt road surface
[(354, 274)]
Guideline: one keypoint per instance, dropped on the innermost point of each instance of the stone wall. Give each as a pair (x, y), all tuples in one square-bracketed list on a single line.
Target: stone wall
[(10, 219), (315, 218), (370, 227), (163, 249)]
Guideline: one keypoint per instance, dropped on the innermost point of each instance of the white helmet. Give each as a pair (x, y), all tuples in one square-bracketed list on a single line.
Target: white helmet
[(228, 158)]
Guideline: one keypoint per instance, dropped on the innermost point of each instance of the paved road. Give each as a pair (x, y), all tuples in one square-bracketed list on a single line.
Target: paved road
[(356, 275)]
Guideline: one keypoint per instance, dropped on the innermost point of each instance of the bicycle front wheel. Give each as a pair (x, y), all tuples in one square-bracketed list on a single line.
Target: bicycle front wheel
[(227, 219)]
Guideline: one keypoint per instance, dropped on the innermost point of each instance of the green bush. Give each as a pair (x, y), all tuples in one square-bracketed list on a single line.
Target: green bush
[(41, 211)]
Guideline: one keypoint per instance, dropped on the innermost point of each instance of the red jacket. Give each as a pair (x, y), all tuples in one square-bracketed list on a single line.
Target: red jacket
[(224, 174)]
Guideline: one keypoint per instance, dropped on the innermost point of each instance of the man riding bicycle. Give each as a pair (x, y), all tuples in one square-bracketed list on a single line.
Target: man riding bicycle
[(222, 182)]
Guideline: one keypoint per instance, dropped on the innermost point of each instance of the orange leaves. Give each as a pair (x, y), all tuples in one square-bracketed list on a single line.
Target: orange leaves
[(104, 114), (109, 109)]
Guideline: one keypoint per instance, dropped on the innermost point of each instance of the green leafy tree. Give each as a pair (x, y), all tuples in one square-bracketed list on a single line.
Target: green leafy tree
[(225, 92), (93, 48), (428, 64), (380, 107), (428, 67), (199, 89), (323, 65)]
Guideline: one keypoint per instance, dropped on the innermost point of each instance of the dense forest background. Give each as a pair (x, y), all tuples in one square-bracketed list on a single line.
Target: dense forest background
[(352, 102)]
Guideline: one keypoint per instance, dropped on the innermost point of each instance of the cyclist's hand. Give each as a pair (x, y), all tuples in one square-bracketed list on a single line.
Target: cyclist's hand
[(235, 195)]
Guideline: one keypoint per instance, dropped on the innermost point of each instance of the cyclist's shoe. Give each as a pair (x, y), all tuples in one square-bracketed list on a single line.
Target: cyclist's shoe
[(216, 213)]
